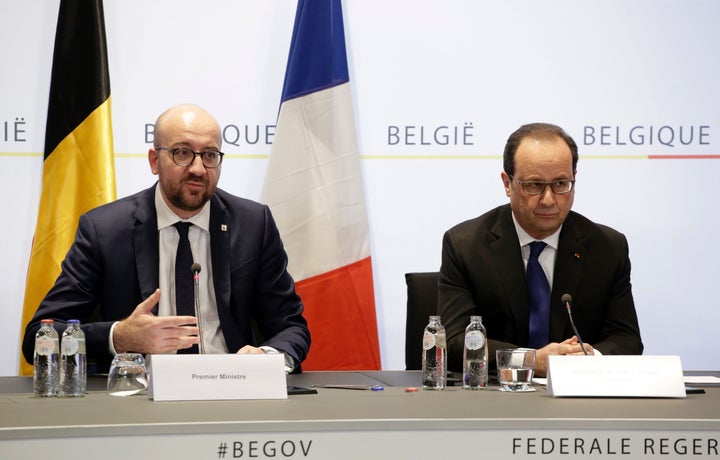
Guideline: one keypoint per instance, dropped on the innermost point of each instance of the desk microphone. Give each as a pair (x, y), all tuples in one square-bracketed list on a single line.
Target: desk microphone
[(567, 299), (196, 268)]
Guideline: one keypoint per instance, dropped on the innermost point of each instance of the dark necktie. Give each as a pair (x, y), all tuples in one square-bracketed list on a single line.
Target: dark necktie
[(184, 298), (539, 296)]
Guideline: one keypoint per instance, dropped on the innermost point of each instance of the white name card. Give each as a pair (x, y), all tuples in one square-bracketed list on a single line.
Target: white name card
[(217, 376), (616, 376)]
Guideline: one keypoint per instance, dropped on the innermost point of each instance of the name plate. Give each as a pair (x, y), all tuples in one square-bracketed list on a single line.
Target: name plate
[(616, 376), (217, 376)]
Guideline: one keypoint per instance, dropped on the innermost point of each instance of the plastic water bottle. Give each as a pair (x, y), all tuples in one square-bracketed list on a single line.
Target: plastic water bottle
[(45, 362), (475, 355), (73, 366), (434, 358)]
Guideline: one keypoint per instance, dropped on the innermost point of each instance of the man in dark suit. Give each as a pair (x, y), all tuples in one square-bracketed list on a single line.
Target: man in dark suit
[(484, 262), (118, 278)]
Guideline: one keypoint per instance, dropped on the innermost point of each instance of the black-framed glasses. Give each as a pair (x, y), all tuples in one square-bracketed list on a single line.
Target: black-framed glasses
[(183, 156), (536, 187)]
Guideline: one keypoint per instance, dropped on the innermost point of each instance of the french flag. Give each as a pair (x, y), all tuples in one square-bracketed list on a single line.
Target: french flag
[(314, 187)]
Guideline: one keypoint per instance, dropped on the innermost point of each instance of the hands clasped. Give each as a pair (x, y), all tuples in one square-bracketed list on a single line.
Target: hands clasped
[(569, 346)]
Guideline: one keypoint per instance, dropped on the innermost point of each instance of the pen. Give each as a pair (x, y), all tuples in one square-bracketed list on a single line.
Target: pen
[(351, 387)]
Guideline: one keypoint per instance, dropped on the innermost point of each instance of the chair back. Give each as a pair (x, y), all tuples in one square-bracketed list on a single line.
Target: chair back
[(422, 297)]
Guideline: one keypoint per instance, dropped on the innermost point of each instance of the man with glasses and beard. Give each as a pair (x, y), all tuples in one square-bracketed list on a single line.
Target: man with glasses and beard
[(119, 277)]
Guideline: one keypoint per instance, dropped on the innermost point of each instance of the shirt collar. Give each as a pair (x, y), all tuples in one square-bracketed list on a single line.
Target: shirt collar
[(526, 239), (166, 217)]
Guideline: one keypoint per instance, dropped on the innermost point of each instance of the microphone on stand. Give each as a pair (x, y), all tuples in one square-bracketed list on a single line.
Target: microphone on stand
[(196, 268), (567, 299)]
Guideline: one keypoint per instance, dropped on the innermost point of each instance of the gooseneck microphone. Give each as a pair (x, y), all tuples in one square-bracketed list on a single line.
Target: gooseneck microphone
[(567, 300), (196, 268)]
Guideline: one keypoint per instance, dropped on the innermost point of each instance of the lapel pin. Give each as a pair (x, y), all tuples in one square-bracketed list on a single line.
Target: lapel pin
[(223, 228), (577, 255)]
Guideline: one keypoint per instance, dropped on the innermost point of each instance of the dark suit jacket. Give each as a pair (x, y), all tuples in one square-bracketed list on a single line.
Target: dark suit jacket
[(113, 265), (483, 274)]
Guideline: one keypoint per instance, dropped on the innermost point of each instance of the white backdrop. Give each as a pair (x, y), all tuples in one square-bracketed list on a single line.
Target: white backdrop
[(480, 68)]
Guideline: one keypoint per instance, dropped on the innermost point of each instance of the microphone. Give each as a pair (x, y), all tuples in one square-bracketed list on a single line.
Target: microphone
[(567, 299), (196, 268)]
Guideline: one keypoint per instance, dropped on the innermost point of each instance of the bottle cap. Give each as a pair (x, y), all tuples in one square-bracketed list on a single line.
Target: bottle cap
[(73, 321), (46, 321)]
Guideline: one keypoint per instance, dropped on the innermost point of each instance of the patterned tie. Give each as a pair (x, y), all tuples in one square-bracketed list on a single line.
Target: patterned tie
[(184, 298), (539, 296)]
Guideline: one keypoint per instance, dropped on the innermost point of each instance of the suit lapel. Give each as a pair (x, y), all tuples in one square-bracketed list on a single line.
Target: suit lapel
[(146, 244), (568, 269), (220, 238), (508, 261)]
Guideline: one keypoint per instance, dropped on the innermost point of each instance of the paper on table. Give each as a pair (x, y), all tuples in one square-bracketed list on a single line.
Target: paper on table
[(699, 379), (690, 379)]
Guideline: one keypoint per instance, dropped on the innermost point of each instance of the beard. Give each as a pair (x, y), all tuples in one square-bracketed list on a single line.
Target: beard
[(187, 200)]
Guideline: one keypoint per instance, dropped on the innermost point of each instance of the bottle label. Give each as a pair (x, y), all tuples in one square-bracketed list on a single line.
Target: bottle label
[(45, 346), (428, 340), (474, 340), (69, 346)]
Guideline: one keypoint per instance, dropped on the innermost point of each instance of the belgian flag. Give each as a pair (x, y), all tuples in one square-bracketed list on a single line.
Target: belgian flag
[(78, 167)]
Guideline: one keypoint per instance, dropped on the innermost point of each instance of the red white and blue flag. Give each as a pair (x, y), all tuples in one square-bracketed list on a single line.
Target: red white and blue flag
[(314, 186)]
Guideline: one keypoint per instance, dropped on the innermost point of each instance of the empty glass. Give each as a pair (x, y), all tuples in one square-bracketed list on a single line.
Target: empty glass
[(128, 375)]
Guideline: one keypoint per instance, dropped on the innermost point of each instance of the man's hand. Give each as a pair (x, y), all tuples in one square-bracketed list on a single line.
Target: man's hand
[(250, 350), (569, 346), (143, 332)]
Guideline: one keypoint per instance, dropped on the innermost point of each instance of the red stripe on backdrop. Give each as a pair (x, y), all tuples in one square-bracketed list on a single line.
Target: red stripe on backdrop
[(340, 310), (684, 157)]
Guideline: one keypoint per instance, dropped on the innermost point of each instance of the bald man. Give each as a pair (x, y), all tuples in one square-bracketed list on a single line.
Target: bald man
[(118, 276)]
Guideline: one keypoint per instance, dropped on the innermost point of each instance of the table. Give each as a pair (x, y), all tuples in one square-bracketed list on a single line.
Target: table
[(357, 424)]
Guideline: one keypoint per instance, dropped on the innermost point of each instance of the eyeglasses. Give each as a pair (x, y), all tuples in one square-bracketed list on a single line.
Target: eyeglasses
[(534, 187), (183, 156)]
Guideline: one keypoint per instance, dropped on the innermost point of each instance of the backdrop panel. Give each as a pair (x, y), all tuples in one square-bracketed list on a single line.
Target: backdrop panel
[(437, 90)]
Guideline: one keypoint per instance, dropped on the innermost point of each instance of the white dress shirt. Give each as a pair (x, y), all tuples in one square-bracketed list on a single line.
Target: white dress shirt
[(199, 236), (547, 256)]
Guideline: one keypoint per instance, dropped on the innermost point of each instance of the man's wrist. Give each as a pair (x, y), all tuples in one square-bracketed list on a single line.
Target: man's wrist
[(289, 361), (111, 341)]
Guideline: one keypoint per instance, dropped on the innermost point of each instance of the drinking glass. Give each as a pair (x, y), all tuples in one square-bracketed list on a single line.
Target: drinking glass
[(128, 375), (515, 367)]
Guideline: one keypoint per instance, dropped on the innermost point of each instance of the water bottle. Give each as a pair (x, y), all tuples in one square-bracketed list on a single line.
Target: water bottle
[(45, 362), (475, 355), (434, 358), (73, 366)]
